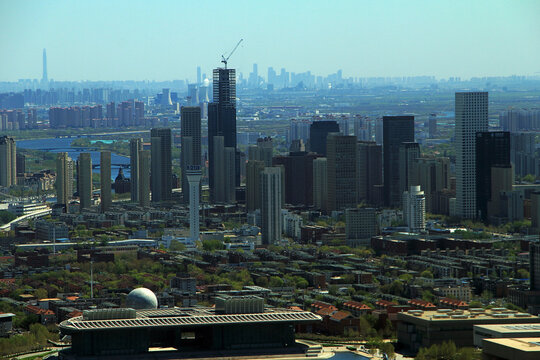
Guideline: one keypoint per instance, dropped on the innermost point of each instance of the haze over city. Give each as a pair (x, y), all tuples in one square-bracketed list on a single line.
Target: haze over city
[(165, 40)]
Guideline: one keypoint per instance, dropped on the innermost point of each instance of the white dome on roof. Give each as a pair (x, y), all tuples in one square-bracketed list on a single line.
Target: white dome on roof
[(141, 299)]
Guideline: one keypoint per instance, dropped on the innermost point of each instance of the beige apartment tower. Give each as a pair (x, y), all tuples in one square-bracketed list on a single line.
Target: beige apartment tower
[(64, 178), (8, 161)]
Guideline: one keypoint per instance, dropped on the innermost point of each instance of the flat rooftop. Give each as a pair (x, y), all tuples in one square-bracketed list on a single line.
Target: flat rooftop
[(521, 344), (471, 315), (188, 317), (510, 328)]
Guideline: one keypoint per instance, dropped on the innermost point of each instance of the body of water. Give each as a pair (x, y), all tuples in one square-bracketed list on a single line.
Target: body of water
[(348, 356), (57, 145)]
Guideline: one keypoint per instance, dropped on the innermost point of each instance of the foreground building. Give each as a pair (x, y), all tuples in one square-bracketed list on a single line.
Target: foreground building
[(236, 323), (417, 328)]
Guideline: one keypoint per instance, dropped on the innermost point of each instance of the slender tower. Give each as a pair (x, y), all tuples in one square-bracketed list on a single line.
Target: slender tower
[(194, 175), (471, 118), (45, 78), (135, 146), (105, 178)]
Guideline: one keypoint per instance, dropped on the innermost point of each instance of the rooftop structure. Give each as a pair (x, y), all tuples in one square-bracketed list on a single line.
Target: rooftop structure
[(512, 349), (497, 331), (417, 328), (126, 331)]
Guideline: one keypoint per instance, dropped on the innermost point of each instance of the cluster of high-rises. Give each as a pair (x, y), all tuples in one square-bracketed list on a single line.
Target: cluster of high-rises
[(16, 119), (127, 113)]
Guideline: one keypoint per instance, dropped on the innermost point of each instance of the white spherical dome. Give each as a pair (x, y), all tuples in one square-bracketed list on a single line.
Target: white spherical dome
[(206, 82), (141, 299)]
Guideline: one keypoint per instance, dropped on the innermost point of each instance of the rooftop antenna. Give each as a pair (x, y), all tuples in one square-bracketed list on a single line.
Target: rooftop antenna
[(225, 59)]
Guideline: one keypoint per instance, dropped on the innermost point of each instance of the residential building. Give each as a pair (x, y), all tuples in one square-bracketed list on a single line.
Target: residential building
[(8, 161), (64, 178)]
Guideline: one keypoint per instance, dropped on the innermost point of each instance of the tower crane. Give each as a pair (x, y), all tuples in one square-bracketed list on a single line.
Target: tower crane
[(225, 59)]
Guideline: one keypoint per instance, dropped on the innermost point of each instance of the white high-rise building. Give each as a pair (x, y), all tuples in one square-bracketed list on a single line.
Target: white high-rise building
[(271, 205), (471, 117), (414, 209)]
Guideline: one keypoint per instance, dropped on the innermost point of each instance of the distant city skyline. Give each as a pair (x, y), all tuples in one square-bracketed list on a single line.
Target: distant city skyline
[(138, 40)]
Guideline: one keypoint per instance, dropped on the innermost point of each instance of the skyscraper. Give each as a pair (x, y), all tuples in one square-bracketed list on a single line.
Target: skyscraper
[(396, 130), (84, 175), (263, 151), (135, 145), (143, 180), (408, 153), (64, 178), (193, 94), (432, 126), (492, 149), (222, 119), (161, 164), (191, 143), (271, 205), (45, 78), (105, 177), (193, 174), (224, 171), (298, 167), (369, 167), (471, 117), (318, 132), (414, 209), (433, 175), (320, 183), (341, 172), (8, 161), (253, 184)]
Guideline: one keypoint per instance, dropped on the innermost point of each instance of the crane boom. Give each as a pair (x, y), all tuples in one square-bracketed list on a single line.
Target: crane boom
[(225, 59)]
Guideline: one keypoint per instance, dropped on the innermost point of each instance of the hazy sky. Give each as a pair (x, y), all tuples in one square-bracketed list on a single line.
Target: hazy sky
[(166, 40)]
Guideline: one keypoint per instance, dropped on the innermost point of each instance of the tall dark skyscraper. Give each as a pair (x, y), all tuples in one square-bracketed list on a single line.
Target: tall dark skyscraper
[(492, 149), (298, 168), (45, 77), (396, 130), (222, 119), (191, 143), (161, 183), (318, 132), (369, 169), (341, 172)]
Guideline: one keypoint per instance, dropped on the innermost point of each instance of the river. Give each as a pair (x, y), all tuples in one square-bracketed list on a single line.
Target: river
[(57, 145)]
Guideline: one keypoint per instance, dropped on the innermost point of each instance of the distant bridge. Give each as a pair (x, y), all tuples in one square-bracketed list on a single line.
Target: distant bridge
[(123, 166)]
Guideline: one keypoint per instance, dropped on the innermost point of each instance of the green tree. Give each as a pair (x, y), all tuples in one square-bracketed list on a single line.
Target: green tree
[(275, 282)]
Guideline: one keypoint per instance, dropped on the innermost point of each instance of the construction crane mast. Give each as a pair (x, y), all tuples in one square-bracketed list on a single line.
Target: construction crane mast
[(225, 59)]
